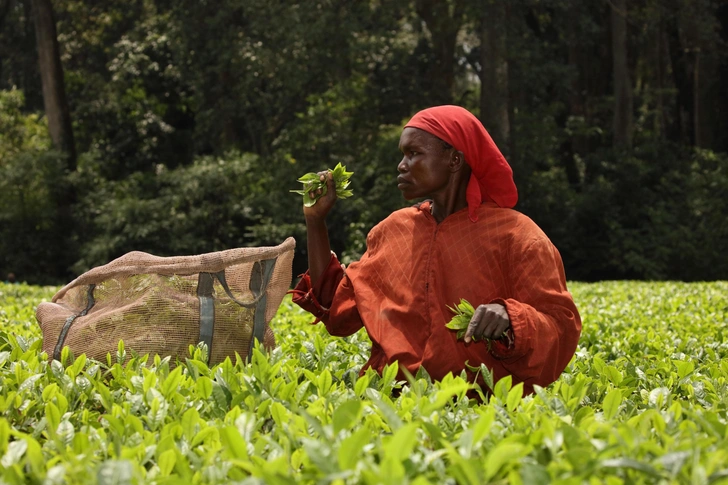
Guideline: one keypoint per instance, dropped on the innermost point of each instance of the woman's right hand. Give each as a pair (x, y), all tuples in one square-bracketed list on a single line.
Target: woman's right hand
[(319, 211)]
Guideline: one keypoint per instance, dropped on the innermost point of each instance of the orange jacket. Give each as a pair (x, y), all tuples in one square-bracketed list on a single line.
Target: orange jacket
[(414, 269)]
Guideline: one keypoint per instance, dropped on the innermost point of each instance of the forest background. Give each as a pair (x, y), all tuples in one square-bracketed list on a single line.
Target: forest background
[(179, 127)]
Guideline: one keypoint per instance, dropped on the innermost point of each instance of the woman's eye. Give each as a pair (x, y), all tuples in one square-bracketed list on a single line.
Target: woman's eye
[(412, 154)]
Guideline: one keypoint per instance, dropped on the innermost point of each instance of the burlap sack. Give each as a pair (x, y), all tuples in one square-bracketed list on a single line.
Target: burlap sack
[(162, 305)]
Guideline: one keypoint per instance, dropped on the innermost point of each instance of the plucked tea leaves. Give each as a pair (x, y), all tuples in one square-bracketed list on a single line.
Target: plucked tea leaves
[(313, 183), (463, 312)]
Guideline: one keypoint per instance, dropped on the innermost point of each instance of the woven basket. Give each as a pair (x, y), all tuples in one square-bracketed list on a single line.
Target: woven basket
[(159, 305)]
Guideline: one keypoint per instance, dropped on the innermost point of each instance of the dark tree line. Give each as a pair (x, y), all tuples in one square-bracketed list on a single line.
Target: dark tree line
[(179, 127)]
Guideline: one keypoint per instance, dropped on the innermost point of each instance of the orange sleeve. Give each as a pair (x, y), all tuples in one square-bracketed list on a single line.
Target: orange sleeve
[(331, 300), (544, 319)]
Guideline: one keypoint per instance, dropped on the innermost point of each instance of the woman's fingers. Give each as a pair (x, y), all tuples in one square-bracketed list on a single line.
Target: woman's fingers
[(324, 201), (474, 323), (489, 321)]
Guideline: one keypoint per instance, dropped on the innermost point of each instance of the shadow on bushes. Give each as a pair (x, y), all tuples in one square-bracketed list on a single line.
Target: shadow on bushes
[(657, 212)]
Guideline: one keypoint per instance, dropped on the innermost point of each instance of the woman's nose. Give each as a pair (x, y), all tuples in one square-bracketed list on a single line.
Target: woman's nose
[(402, 167)]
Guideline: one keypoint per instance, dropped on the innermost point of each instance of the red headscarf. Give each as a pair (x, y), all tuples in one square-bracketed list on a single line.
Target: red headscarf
[(491, 177)]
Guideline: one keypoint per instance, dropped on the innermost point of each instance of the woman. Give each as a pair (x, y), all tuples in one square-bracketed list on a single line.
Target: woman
[(464, 241)]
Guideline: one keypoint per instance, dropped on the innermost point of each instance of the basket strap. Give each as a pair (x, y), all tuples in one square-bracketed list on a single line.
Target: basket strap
[(207, 310), (220, 275), (69, 321), (259, 279)]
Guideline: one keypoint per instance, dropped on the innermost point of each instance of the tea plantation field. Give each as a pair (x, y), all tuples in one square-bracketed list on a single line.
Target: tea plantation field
[(645, 400)]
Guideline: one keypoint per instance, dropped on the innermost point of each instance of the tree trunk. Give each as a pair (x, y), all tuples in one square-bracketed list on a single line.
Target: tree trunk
[(444, 20), (660, 121), (494, 92), (59, 126), (722, 101), (706, 99), (623, 122), (682, 71), (51, 72)]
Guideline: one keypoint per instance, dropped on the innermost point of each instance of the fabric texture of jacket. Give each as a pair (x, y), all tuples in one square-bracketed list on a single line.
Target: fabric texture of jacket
[(414, 269)]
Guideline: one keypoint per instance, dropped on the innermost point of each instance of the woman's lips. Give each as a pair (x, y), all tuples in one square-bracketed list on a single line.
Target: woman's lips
[(401, 181)]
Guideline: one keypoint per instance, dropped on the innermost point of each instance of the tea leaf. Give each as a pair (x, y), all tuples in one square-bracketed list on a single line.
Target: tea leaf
[(611, 404), (312, 183), (642, 401), (350, 449), (346, 414)]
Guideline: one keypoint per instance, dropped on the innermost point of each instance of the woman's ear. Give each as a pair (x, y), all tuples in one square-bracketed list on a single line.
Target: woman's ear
[(457, 160)]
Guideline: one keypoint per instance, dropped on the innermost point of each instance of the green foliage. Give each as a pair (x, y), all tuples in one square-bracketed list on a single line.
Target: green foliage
[(203, 207), (313, 183), (32, 182), (19, 132), (463, 313), (302, 86), (655, 212), (643, 401)]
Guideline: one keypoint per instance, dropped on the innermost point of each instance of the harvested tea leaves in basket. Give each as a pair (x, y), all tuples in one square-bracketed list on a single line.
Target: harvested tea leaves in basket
[(312, 183)]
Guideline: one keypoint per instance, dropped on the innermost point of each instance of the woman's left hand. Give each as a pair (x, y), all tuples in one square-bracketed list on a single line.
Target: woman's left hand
[(489, 321)]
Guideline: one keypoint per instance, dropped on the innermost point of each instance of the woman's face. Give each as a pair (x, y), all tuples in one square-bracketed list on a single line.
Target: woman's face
[(424, 170)]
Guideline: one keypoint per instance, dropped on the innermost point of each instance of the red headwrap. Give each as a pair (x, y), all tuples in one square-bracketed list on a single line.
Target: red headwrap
[(491, 177)]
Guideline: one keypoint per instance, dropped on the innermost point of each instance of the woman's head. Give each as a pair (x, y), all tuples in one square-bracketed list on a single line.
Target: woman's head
[(491, 178), (429, 165)]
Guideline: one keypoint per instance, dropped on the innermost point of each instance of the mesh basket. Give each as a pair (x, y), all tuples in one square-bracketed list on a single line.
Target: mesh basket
[(162, 305)]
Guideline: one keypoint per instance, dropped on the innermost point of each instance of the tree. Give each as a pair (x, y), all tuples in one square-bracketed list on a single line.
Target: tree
[(623, 98), (444, 20), (51, 71), (494, 92)]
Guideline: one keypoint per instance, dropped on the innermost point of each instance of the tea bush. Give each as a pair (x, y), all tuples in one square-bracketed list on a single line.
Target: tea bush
[(645, 400)]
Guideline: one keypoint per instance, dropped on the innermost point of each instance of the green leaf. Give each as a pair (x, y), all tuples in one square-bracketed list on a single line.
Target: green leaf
[(53, 416), (392, 470), (389, 374), (611, 404), (504, 452), (234, 442), (465, 471), (483, 426), (400, 445), (209, 432), (34, 454), (203, 387), (120, 352), (312, 182), (613, 374), (684, 368), (172, 382), (445, 395), (346, 414), (166, 462), (323, 383), (361, 385), (351, 447), (514, 397), (189, 423), (463, 314), (388, 412), (280, 414), (219, 396), (534, 474), (502, 387)]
